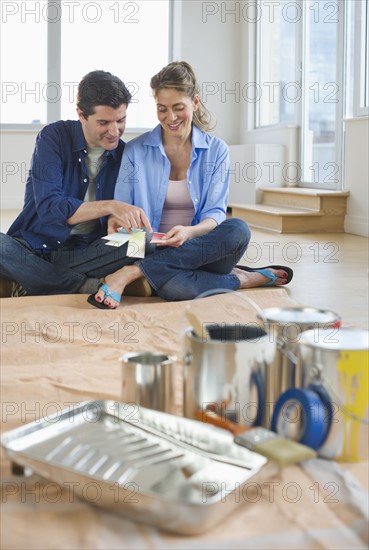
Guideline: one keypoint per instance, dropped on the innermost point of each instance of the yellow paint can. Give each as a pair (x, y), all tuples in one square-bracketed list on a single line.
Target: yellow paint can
[(335, 365)]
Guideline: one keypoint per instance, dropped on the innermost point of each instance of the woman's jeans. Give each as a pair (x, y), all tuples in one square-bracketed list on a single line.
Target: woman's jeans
[(200, 265)]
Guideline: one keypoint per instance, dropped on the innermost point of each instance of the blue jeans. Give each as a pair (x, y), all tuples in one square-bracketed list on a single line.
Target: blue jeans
[(62, 271), (200, 265)]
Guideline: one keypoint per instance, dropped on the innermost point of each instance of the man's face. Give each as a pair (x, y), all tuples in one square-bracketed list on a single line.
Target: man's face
[(104, 127)]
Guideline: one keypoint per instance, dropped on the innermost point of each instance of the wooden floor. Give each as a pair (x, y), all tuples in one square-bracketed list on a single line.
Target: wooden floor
[(330, 270)]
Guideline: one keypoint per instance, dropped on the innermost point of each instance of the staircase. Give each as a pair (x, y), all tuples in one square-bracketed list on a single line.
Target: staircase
[(295, 210)]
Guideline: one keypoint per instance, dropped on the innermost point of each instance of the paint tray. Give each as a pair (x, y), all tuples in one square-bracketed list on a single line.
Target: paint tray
[(170, 472)]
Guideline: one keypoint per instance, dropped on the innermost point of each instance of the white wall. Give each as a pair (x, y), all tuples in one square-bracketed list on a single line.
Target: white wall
[(253, 166), (210, 41), (16, 151), (356, 170)]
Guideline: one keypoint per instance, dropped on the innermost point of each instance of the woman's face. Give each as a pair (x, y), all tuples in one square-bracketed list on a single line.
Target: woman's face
[(175, 112)]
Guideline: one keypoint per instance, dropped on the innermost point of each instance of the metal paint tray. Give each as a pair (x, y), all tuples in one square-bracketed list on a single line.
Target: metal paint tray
[(164, 470)]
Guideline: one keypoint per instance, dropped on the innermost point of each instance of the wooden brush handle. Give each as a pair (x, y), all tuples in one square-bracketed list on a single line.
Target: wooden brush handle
[(210, 417)]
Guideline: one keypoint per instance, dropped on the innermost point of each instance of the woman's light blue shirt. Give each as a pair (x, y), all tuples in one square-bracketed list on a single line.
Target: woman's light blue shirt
[(144, 174)]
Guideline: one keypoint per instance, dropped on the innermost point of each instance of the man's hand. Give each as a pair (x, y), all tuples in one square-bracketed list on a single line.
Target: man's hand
[(127, 216), (113, 225), (124, 215)]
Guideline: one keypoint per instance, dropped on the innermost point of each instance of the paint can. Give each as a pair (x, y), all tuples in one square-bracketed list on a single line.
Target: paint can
[(285, 325), (330, 412), (227, 371), (148, 380)]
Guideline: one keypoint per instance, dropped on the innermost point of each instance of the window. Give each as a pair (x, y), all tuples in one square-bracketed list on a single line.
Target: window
[(70, 38), (299, 53), (321, 106), (278, 88), (23, 80)]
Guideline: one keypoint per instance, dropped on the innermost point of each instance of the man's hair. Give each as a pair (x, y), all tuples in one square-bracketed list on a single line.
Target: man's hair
[(101, 88)]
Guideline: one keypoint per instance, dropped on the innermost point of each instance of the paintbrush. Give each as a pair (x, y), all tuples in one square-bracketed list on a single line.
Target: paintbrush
[(260, 440)]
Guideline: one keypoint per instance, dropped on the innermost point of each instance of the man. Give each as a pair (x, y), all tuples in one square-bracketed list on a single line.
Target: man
[(54, 246)]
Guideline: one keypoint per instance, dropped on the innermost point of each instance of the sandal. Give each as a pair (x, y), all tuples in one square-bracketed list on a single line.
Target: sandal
[(267, 273), (104, 287)]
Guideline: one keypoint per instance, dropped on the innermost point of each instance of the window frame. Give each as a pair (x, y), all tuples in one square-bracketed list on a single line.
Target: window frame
[(257, 72), (361, 66)]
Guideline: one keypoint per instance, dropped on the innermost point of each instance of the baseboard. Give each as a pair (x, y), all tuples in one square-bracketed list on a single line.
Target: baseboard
[(357, 225)]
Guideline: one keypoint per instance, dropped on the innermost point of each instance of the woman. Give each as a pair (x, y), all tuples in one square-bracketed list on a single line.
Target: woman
[(179, 175)]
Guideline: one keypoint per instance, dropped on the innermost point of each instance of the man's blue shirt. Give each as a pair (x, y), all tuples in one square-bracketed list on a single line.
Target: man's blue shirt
[(145, 169), (57, 184)]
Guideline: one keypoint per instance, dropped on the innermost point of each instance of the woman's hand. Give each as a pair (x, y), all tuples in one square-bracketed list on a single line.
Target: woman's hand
[(176, 236), (179, 234)]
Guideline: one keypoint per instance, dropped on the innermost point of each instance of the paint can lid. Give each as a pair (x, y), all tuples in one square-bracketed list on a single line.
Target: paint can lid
[(301, 315), (343, 339)]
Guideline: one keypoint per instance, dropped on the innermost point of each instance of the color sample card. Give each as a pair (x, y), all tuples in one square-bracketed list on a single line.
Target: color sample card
[(117, 239), (157, 237), (136, 245), (136, 241)]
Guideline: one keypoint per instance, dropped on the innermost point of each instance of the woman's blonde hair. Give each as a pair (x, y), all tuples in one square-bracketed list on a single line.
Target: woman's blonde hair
[(180, 76)]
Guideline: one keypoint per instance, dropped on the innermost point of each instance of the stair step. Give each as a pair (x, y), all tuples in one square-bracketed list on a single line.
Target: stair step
[(295, 210), (307, 198), (277, 210), (287, 220), (306, 191)]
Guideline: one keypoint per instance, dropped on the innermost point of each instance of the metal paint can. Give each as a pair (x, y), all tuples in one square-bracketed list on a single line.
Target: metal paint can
[(285, 325), (148, 380), (331, 410), (228, 372)]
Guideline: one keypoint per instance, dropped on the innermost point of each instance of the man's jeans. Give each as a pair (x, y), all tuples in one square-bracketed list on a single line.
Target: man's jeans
[(200, 265), (62, 271)]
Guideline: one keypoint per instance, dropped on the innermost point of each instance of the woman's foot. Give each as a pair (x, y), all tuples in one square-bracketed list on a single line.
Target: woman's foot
[(117, 282), (253, 279)]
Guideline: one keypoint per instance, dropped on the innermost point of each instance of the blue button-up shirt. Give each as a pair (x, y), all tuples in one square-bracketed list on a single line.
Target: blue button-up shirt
[(57, 184), (145, 169)]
